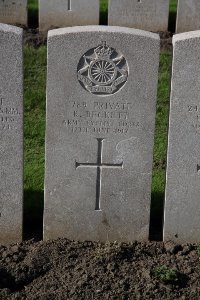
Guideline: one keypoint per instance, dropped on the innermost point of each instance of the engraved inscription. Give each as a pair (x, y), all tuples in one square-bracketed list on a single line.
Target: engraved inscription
[(102, 70), (101, 118), (194, 116), (10, 8), (99, 166), (8, 115), (139, 11)]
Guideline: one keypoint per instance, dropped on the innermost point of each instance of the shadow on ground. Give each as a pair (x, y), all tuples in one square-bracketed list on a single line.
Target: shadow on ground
[(34, 208), (33, 215), (172, 22), (33, 17), (156, 217)]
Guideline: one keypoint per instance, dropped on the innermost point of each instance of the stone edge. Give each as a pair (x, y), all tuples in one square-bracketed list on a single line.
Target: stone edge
[(99, 28), (10, 28), (186, 36)]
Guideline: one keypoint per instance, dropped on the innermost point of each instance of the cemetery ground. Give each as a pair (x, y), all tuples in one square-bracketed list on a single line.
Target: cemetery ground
[(64, 269)]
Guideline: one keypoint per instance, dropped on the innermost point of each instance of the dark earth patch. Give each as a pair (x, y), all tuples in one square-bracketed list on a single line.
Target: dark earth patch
[(63, 269), (33, 38)]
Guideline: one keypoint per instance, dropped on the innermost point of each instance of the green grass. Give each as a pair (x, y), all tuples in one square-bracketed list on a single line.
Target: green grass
[(33, 13), (160, 145), (104, 12), (34, 129), (165, 274), (172, 15), (198, 249), (173, 6)]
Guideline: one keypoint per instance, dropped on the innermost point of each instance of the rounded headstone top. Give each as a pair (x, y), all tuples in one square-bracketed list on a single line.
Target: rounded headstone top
[(186, 36), (97, 28), (11, 29)]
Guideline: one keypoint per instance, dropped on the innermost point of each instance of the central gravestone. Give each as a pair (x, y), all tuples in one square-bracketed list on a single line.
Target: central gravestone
[(13, 12), (101, 103)]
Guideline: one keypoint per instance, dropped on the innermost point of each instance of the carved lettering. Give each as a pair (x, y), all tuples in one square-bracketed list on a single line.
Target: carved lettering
[(100, 117), (8, 115)]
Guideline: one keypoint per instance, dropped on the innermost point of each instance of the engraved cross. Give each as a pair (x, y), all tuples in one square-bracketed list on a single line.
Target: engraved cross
[(99, 166)]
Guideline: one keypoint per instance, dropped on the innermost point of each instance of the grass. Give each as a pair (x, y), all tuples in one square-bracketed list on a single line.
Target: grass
[(33, 13), (165, 274), (198, 250), (35, 81), (34, 131), (160, 144)]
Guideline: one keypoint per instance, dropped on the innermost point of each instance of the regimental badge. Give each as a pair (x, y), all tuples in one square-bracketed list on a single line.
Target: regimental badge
[(102, 70)]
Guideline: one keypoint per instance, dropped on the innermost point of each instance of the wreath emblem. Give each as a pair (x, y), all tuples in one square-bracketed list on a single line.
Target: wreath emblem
[(102, 70)]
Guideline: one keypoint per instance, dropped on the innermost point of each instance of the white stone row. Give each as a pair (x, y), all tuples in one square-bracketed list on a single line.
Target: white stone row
[(150, 15), (101, 106)]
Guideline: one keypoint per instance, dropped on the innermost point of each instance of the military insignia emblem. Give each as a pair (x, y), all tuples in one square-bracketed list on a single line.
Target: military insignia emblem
[(102, 70)]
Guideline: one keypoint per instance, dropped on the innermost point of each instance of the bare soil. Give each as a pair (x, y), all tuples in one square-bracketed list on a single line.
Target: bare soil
[(33, 38), (63, 269)]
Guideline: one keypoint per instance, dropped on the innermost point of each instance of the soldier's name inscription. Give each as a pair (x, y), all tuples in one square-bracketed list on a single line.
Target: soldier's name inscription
[(100, 117)]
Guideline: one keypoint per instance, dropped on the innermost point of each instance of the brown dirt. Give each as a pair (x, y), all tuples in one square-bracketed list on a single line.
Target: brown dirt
[(166, 40), (63, 269), (33, 38)]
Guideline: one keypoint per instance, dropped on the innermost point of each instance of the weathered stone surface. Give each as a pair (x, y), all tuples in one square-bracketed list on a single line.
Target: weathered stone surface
[(188, 13), (11, 133), (13, 11), (182, 204), (62, 13), (101, 102), (151, 15)]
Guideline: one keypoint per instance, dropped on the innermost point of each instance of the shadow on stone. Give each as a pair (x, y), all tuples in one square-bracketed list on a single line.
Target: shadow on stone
[(7, 281)]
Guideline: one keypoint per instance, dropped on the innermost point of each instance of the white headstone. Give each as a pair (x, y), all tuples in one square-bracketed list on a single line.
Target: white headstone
[(11, 134), (62, 13), (13, 12), (188, 15), (101, 103), (151, 15), (182, 203)]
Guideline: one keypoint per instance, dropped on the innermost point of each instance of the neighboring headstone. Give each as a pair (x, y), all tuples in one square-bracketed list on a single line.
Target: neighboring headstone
[(182, 204), (13, 12), (151, 15), (62, 13), (188, 12), (11, 134), (101, 103)]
